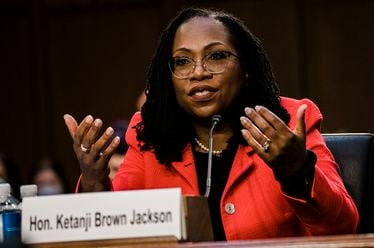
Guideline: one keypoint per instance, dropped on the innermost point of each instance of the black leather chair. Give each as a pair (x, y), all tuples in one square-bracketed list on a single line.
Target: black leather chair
[(354, 153)]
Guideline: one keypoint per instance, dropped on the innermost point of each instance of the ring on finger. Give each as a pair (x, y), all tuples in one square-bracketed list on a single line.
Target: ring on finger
[(85, 149), (266, 145)]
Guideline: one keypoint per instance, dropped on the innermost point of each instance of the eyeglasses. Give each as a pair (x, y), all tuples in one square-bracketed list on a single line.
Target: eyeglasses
[(214, 62)]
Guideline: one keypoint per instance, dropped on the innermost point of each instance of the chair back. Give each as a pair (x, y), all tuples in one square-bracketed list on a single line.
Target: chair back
[(354, 153)]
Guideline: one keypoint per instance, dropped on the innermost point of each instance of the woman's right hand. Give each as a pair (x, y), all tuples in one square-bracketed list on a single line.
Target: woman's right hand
[(92, 151)]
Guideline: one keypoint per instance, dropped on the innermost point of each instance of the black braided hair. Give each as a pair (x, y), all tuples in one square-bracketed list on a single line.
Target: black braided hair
[(166, 127)]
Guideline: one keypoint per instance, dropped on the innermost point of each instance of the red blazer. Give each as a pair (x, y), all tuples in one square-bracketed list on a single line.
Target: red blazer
[(259, 209)]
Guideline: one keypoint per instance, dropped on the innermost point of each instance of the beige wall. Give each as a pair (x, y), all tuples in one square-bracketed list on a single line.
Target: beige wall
[(83, 57)]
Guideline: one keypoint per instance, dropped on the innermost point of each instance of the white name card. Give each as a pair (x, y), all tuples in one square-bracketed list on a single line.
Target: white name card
[(103, 215)]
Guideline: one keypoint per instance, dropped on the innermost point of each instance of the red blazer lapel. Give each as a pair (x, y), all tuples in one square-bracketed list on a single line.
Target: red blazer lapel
[(186, 168), (241, 164)]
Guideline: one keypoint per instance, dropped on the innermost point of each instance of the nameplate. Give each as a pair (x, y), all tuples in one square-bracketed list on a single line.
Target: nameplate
[(103, 215)]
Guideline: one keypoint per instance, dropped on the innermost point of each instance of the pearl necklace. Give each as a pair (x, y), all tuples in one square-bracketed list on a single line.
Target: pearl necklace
[(205, 149)]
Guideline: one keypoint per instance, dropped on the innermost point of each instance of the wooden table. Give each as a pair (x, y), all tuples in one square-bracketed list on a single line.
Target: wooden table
[(335, 241)]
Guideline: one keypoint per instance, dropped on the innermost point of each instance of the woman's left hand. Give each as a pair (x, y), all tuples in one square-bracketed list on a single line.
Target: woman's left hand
[(283, 149)]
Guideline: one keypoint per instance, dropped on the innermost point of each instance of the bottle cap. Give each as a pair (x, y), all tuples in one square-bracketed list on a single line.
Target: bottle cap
[(4, 189), (28, 190)]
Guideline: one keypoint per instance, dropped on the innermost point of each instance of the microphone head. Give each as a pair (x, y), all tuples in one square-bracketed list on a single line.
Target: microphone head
[(216, 119)]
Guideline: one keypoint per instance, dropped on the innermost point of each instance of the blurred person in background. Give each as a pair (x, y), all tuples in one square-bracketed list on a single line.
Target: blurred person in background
[(49, 177)]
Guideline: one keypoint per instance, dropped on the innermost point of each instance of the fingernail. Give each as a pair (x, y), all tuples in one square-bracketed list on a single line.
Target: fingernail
[(88, 119), (98, 123), (243, 119), (257, 107), (248, 111), (109, 131), (116, 140)]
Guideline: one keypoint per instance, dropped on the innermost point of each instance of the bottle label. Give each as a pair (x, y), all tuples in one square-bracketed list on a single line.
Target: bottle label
[(11, 223)]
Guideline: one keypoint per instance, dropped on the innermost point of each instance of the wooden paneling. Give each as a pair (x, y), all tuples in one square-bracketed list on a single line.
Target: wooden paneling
[(340, 38), (91, 57)]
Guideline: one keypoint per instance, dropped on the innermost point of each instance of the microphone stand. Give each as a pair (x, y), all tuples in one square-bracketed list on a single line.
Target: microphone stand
[(215, 120), (197, 214)]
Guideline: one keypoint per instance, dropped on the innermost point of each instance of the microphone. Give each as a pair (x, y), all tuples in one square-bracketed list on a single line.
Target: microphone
[(215, 120)]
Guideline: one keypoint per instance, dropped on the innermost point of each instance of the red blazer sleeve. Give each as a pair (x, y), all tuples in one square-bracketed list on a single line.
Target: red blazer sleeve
[(131, 172), (331, 209)]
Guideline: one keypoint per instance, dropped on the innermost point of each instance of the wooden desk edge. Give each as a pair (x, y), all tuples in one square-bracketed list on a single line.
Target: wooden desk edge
[(169, 241), (331, 241)]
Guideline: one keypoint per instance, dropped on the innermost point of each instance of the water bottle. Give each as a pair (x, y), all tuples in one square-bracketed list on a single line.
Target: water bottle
[(10, 216)]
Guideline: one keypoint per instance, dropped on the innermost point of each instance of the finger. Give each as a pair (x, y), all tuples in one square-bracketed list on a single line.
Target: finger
[(254, 131), (257, 147), (92, 133), (82, 129), (300, 121), (100, 145), (108, 152), (272, 118), (71, 124), (263, 125)]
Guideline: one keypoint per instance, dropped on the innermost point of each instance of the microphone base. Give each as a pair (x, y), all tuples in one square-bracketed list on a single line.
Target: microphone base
[(198, 221)]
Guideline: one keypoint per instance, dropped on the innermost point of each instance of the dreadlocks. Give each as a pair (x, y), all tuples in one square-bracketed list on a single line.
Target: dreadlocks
[(165, 126)]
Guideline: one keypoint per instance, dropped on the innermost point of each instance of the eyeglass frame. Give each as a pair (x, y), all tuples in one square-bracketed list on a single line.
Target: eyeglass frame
[(202, 63)]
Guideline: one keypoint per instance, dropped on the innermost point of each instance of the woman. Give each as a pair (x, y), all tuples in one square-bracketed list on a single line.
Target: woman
[(272, 174)]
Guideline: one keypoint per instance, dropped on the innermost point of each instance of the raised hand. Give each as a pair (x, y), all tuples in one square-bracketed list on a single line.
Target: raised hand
[(283, 149), (92, 151)]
